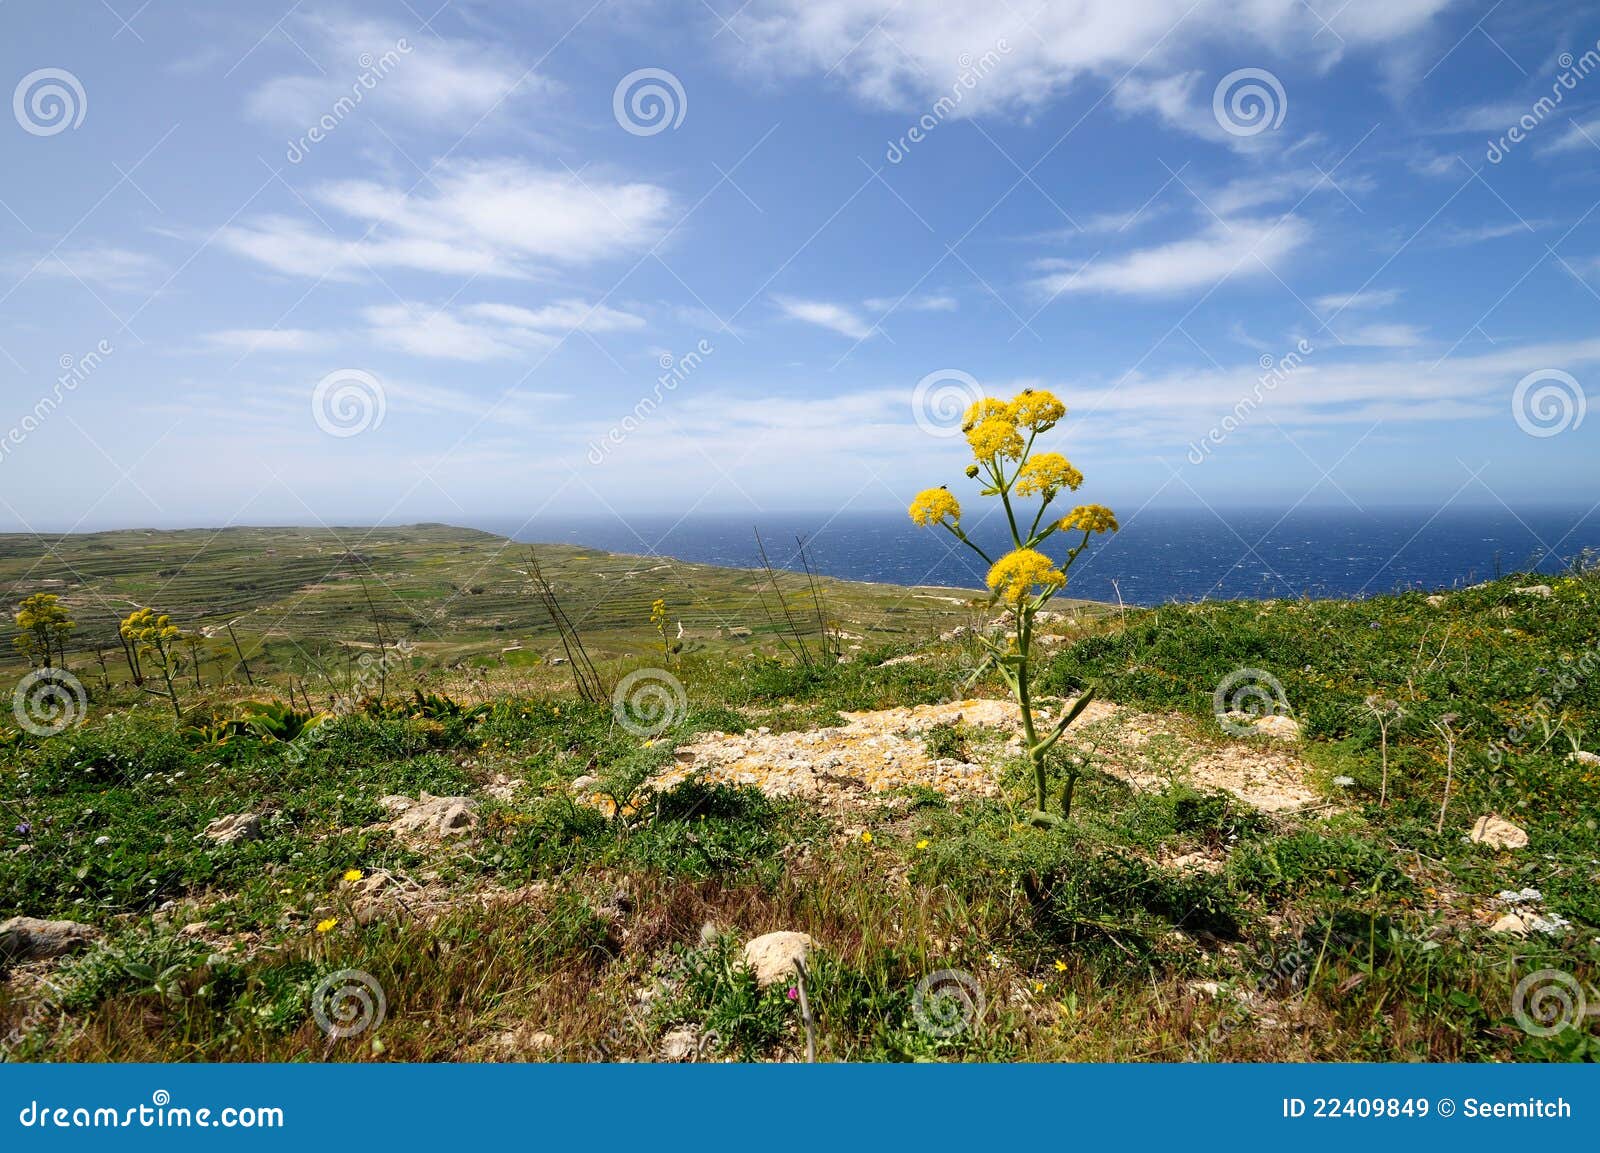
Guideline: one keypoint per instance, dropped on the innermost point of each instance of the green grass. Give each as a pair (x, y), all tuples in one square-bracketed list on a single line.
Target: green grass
[(1352, 932)]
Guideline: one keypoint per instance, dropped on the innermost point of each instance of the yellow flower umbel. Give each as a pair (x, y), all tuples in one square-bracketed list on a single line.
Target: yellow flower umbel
[(1046, 474), (1015, 576), (1090, 518), (994, 438), (1036, 410), (1002, 435), (935, 506)]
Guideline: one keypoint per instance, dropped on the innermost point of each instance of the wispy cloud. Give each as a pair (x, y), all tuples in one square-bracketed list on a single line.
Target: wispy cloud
[(268, 340), (825, 314), (1365, 298), (488, 331), (501, 218), (1241, 248), (934, 303), (108, 265)]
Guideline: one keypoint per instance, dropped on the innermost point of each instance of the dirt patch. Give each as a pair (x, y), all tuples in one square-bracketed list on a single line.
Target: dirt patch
[(884, 750)]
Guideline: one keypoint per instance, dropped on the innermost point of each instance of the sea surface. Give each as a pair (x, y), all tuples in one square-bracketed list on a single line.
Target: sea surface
[(1159, 556)]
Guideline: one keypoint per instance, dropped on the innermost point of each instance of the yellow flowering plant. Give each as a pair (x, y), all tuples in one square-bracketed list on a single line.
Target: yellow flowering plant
[(1001, 435), (151, 641)]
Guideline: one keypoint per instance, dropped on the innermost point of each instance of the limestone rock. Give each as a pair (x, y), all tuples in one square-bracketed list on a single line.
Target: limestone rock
[(1497, 833), (772, 957), (430, 817), (1278, 727), (1585, 758), (1544, 591), (234, 828), (32, 939)]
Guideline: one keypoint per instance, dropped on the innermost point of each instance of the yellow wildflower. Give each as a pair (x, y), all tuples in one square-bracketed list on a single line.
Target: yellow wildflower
[(352, 874), (326, 926), (1015, 574), (935, 506), (1036, 409), (1061, 966), (994, 437), (1047, 473), (922, 844), (1090, 518), (984, 409), (866, 838)]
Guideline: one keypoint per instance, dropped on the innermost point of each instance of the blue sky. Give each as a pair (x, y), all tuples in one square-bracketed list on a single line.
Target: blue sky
[(454, 297)]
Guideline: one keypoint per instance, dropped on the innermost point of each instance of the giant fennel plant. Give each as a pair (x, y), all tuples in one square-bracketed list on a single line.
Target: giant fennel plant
[(1002, 436)]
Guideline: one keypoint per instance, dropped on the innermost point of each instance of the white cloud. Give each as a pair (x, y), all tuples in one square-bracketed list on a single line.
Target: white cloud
[(395, 70), (939, 302), (1243, 248), (268, 340), (1382, 336), (119, 268), (908, 54), (834, 317), (488, 331), (1580, 135), (1296, 185), (498, 218), (1363, 298)]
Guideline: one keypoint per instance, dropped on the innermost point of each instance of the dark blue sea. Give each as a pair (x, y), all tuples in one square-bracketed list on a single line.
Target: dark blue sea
[(1159, 556)]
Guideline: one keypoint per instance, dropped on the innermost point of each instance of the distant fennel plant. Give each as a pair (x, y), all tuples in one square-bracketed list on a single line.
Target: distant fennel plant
[(1002, 436)]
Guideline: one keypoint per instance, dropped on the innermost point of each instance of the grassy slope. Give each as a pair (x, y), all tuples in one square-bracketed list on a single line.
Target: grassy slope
[(295, 593), (1356, 933)]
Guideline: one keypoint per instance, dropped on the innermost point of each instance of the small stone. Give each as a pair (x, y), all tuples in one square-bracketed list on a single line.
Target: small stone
[(1584, 758), (679, 1045), (234, 828), (586, 784), (1514, 923), (32, 939), (1278, 727), (1497, 833), (773, 957), (1544, 591), (1436, 600)]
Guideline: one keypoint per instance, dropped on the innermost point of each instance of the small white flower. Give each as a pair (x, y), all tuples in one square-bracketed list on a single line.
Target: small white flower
[(102, 840), (1344, 782)]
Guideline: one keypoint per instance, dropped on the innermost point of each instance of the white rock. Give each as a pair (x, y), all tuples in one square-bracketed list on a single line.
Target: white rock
[(1497, 833), (234, 828), (32, 939), (1544, 591), (1278, 727), (773, 956), (1585, 758)]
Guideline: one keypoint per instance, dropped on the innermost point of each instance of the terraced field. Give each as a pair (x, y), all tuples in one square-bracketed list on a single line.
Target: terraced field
[(458, 594)]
